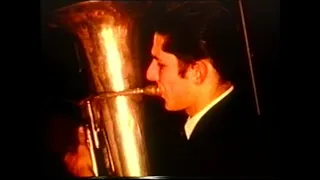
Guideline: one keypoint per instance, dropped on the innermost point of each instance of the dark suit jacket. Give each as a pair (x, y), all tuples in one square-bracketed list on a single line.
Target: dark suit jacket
[(226, 142)]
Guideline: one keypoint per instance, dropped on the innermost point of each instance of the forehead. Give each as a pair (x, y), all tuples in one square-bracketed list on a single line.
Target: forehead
[(158, 41)]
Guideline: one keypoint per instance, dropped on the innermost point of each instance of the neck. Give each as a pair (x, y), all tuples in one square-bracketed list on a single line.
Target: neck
[(207, 95)]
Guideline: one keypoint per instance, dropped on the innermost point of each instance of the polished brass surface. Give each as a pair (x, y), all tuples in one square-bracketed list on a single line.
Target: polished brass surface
[(151, 90), (115, 119)]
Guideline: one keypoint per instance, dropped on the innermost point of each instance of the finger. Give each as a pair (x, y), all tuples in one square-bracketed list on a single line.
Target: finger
[(68, 158), (82, 135), (84, 153), (70, 162), (85, 170), (82, 167)]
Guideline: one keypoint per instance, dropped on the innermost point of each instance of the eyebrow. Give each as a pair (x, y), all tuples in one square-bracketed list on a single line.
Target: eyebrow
[(155, 57)]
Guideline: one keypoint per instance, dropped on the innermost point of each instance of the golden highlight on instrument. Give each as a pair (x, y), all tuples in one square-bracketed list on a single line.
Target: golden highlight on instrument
[(150, 90), (115, 118)]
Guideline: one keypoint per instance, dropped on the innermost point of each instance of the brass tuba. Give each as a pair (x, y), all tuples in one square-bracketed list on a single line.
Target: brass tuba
[(115, 119)]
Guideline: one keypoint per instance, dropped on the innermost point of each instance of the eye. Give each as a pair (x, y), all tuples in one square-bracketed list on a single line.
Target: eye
[(161, 65)]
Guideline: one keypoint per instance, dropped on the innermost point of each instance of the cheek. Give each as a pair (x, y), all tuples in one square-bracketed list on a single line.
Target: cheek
[(164, 76), (167, 79), (172, 85), (176, 96)]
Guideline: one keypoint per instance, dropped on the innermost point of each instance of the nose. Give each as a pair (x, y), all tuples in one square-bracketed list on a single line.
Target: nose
[(153, 71)]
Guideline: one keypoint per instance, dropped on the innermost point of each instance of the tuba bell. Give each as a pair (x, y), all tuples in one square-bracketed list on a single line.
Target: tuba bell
[(115, 117)]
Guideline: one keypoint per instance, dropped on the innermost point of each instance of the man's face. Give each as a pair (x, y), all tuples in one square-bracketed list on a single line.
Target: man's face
[(164, 70)]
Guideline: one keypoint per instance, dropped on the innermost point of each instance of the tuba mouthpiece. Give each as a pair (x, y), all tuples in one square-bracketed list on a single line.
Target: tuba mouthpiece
[(152, 90)]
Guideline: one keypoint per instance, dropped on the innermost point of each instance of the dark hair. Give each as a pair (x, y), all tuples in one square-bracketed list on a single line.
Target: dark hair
[(196, 30)]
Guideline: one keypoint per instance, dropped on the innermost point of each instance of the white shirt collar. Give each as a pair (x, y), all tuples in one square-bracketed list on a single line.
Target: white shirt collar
[(192, 121)]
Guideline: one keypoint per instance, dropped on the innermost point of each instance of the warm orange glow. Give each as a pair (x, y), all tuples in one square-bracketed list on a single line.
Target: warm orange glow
[(114, 68)]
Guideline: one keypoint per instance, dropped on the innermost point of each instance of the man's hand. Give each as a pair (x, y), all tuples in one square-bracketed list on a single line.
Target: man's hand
[(79, 163)]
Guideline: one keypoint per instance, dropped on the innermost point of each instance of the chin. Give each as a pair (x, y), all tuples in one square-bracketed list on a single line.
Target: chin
[(169, 107)]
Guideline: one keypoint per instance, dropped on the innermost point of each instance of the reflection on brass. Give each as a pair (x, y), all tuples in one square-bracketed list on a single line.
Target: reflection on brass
[(117, 140), (151, 90)]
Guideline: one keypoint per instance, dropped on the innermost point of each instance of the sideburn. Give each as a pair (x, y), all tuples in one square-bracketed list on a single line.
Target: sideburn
[(183, 67)]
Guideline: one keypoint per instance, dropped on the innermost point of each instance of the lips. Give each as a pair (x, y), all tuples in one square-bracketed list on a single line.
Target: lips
[(161, 91)]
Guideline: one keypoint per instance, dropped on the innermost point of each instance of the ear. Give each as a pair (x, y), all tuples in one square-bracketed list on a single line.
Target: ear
[(199, 71)]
